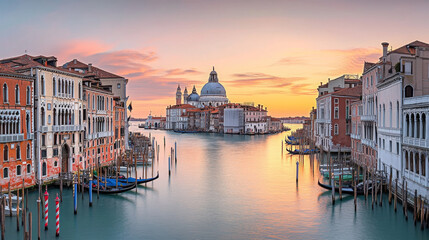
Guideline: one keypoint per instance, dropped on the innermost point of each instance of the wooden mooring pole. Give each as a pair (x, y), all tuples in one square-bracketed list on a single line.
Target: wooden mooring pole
[(415, 207), (390, 186), (396, 195), (17, 209)]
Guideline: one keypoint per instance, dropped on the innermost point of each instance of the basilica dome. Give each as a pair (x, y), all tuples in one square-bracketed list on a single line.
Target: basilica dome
[(213, 87), (194, 96)]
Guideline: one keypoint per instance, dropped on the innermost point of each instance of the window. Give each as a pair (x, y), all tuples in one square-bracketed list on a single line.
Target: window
[(397, 148), (28, 96), (397, 114), (5, 172), (336, 113), (384, 145), (366, 82), (55, 164), (336, 129), (44, 169), (408, 91), (42, 86), (93, 102), (118, 86), (43, 140), (42, 116), (371, 81), (18, 152), (28, 168), (18, 170), (5, 94), (80, 94), (6, 153), (17, 94), (408, 68), (28, 151), (390, 146), (49, 119), (54, 87)]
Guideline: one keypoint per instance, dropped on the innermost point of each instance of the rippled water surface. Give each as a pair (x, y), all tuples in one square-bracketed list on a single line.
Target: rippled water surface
[(224, 187)]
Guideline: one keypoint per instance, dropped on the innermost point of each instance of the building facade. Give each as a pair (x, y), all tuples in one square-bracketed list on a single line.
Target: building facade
[(16, 129)]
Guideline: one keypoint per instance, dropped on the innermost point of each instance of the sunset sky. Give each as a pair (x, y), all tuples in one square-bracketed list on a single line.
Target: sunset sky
[(273, 53)]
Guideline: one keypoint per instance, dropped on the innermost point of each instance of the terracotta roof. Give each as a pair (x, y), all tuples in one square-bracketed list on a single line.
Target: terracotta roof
[(181, 106), (76, 64), (410, 48), (26, 61), (367, 65), (355, 91)]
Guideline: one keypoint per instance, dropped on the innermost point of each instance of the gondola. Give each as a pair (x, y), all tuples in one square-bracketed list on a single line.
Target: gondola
[(346, 189), (291, 143), (112, 190), (139, 181), (304, 152)]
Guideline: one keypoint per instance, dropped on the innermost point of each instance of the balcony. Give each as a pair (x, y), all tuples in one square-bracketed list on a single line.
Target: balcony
[(101, 112), (44, 129), (68, 128), (355, 136), (368, 118), (369, 143), (420, 100), (417, 142), (30, 136), (11, 138)]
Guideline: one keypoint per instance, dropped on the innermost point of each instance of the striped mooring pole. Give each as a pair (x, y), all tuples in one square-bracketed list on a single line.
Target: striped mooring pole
[(75, 196), (90, 190), (46, 208), (57, 203)]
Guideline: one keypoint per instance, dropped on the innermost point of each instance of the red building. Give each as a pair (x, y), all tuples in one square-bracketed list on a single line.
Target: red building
[(16, 132), (334, 113)]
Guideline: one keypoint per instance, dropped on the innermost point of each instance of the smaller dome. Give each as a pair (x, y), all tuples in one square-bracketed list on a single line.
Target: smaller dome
[(194, 95)]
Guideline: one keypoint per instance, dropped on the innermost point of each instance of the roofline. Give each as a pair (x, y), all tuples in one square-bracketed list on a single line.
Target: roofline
[(16, 76), (57, 70), (97, 89)]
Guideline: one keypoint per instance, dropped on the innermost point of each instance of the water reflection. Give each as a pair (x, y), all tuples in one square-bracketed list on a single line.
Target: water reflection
[(228, 187)]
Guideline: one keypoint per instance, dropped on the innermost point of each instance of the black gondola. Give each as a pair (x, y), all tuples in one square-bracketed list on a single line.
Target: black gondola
[(346, 189), (112, 190), (122, 179)]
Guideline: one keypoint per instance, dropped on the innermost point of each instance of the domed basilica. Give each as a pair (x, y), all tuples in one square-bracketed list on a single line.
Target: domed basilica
[(212, 94)]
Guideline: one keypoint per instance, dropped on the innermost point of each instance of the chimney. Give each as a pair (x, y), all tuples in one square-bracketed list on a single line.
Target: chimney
[(74, 61), (385, 46), (89, 67)]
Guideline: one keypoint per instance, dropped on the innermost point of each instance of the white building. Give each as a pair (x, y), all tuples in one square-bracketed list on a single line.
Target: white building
[(233, 120)]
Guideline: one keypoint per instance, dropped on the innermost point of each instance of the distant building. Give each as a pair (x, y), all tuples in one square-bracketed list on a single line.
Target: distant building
[(233, 119), (155, 122)]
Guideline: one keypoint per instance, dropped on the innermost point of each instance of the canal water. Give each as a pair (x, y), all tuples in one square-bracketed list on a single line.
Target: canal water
[(224, 187)]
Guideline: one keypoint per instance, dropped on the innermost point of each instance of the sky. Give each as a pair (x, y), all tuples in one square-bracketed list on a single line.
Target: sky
[(273, 53)]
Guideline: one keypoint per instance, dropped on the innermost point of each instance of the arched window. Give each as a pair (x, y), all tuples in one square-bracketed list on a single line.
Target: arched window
[(384, 115), (5, 172), (28, 168), (424, 126), (80, 117), (423, 165), (80, 94), (406, 161), (28, 95), (28, 151), (42, 85), (72, 90), (59, 85), (408, 91), (18, 170), (407, 127), (390, 114), (5, 94), (412, 125), (411, 162), (54, 87), (17, 94), (6, 153), (89, 125), (417, 157), (55, 116), (417, 126), (27, 122), (397, 114), (42, 116), (18, 152), (44, 169)]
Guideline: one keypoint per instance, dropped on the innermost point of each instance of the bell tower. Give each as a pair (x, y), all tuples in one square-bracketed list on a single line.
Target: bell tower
[(185, 96), (178, 95)]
